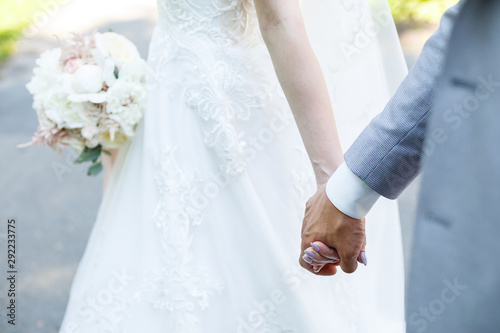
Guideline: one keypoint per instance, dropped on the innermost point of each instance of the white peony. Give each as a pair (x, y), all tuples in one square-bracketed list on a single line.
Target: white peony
[(108, 72), (63, 112), (88, 79), (84, 102), (50, 60), (85, 85), (46, 77), (108, 66), (43, 94), (118, 47), (126, 104), (134, 71)]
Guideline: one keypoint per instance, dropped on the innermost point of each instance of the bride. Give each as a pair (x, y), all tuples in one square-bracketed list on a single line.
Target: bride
[(200, 222)]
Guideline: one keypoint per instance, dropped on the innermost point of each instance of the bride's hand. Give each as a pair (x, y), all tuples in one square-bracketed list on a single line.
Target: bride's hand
[(320, 255), (322, 258)]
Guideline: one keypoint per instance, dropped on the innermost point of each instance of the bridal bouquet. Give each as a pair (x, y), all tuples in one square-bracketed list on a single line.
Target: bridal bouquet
[(88, 94)]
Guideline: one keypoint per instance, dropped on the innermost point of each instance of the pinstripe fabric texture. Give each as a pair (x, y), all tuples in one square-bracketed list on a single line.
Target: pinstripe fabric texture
[(387, 154), (454, 283), (454, 272)]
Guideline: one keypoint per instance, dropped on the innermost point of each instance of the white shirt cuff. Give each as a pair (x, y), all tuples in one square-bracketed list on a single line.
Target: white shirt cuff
[(349, 193)]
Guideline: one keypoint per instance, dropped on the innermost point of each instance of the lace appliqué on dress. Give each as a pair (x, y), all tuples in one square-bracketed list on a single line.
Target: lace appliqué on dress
[(181, 287), (222, 96)]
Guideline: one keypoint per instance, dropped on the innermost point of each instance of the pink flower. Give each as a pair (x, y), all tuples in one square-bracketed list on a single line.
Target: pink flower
[(79, 46), (73, 65), (48, 134)]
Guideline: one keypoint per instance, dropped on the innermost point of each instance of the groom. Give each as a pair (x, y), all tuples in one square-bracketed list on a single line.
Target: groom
[(444, 121)]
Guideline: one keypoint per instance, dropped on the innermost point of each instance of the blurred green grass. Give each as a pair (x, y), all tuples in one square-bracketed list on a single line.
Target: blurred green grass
[(415, 12), (15, 15)]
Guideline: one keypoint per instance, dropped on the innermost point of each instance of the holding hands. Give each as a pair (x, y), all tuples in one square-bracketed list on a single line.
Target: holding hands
[(330, 238)]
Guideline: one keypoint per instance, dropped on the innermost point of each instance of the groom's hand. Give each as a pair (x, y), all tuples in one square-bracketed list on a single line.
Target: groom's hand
[(324, 222)]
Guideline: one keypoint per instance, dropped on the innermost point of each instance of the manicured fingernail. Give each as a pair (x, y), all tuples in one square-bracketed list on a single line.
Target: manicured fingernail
[(316, 269), (310, 254), (315, 247), (363, 258), (307, 259)]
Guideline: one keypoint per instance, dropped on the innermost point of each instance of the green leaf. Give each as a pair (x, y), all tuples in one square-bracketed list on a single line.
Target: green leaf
[(107, 152), (116, 72), (95, 169), (89, 154)]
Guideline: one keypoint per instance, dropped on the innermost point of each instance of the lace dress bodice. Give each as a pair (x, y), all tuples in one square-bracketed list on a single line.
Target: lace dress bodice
[(212, 54), (223, 22)]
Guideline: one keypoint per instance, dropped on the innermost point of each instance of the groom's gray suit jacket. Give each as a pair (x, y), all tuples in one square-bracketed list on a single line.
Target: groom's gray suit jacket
[(445, 121)]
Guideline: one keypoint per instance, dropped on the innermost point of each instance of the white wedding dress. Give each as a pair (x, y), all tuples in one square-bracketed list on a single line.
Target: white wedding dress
[(199, 229)]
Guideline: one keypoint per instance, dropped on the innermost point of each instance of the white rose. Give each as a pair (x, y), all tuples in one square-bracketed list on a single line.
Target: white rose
[(117, 46), (88, 79), (109, 142)]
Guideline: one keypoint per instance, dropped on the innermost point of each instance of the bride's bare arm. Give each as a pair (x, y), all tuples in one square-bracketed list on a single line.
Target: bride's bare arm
[(302, 81)]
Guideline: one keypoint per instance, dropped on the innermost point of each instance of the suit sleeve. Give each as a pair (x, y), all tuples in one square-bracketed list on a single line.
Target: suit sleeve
[(387, 154)]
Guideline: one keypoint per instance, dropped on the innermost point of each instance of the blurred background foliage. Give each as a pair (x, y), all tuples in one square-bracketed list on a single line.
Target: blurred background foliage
[(15, 15), (415, 12)]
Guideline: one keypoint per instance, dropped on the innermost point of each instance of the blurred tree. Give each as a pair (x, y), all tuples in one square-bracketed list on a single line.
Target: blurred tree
[(15, 15), (419, 11)]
